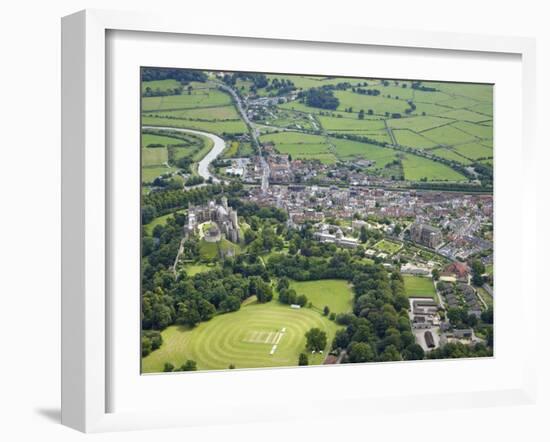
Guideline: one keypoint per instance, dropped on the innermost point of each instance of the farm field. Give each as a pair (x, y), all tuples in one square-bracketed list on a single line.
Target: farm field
[(406, 137), (159, 85), (419, 287), (148, 139), (417, 168), (148, 174), (417, 124), (474, 150), (347, 149), (450, 154), (226, 112), (154, 156), (216, 127), (244, 338), (205, 97), (345, 124), (334, 293), (379, 104)]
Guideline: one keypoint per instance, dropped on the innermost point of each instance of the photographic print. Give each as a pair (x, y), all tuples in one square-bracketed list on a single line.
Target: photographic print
[(297, 220)]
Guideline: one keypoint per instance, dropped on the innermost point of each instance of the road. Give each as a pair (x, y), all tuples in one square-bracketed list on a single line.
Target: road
[(204, 164), (253, 133)]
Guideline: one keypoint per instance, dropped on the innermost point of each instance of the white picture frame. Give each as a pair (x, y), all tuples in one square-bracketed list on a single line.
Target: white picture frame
[(85, 201)]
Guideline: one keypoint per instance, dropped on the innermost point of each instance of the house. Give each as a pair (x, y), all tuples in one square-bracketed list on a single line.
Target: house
[(458, 271)]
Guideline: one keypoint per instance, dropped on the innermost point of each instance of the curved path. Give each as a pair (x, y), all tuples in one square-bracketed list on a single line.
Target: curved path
[(217, 149)]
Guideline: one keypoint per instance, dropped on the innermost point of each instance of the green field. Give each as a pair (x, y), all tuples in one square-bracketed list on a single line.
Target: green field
[(389, 247), (416, 168), (289, 137), (206, 97), (148, 174), (154, 156), (419, 287), (347, 149), (449, 154), (408, 138), (474, 150), (227, 112), (148, 139), (160, 220), (193, 269), (334, 293), (244, 338), (353, 123), (160, 85), (217, 127), (379, 104)]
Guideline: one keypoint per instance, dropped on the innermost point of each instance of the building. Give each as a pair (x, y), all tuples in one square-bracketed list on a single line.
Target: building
[(224, 216), (459, 271), (426, 235), (338, 238)]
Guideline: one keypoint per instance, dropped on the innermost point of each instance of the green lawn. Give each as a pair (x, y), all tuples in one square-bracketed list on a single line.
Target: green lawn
[(419, 287), (193, 269), (160, 220), (388, 247), (244, 338), (335, 293)]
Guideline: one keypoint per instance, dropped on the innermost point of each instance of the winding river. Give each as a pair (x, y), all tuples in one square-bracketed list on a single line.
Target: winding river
[(217, 149)]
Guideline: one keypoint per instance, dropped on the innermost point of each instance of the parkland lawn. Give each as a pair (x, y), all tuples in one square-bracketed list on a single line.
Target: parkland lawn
[(334, 293), (244, 338), (419, 287)]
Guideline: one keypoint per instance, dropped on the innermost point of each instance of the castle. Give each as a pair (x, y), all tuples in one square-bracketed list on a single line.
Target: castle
[(221, 214)]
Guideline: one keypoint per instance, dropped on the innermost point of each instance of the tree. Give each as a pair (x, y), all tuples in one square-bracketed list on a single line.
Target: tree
[(360, 352), (189, 365), (435, 274), (361, 114), (231, 366), (168, 367), (363, 235), (145, 346), (316, 339), (413, 352), (230, 304), (326, 310), (301, 300), (391, 353), (303, 359), (148, 212), (341, 339)]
